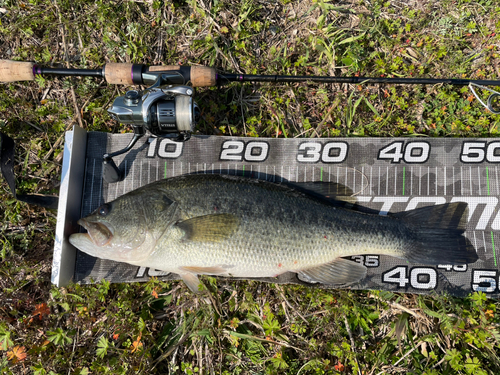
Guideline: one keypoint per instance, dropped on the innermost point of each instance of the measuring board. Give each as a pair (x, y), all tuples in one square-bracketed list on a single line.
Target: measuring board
[(388, 175)]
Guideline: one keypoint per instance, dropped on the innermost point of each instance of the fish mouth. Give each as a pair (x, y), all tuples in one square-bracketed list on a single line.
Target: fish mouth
[(99, 233)]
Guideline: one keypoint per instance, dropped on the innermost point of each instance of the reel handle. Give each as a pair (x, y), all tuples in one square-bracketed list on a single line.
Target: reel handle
[(13, 71)]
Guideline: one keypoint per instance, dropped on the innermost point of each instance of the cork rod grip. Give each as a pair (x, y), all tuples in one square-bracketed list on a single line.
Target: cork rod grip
[(203, 76), (13, 71), (118, 73), (161, 68)]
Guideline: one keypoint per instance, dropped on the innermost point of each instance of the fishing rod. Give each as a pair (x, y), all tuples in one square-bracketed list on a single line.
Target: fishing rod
[(167, 108), (200, 76)]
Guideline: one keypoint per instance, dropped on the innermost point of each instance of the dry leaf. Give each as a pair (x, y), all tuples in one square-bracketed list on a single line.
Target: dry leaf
[(17, 354), (41, 310)]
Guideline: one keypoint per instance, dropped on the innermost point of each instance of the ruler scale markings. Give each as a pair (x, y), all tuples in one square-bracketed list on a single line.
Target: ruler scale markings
[(338, 174), (475, 241), (132, 175), (362, 175), (462, 180), (395, 179), (453, 179), (149, 171), (100, 186), (436, 193), (125, 181), (173, 168), (419, 180), (92, 183), (428, 180), (470, 179), (379, 177), (116, 192), (213, 168), (444, 181), (479, 179), (404, 176), (329, 174), (496, 175), (297, 176), (487, 181), (484, 242), (411, 181), (371, 179), (493, 247), (346, 175), (321, 174), (387, 182), (85, 180)]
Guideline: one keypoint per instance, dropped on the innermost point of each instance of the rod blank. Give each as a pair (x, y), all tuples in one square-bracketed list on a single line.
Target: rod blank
[(355, 80)]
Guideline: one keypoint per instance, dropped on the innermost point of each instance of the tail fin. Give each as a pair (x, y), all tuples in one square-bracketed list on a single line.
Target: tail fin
[(438, 234)]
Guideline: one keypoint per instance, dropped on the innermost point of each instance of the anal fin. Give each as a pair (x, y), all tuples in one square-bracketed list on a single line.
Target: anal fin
[(339, 272)]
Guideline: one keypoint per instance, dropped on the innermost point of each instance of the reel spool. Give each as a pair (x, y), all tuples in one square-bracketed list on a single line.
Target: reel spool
[(163, 112)]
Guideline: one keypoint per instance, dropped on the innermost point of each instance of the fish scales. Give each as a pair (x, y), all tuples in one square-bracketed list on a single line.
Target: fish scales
[(280, 229), (234, 226)]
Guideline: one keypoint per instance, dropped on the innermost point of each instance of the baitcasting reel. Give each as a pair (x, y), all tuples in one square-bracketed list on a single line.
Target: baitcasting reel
[(162, 109)]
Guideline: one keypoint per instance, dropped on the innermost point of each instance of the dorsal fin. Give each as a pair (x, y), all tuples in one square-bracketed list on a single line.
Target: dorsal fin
[(442, 216)]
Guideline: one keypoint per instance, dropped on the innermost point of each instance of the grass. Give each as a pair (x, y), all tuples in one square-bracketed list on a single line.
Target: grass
[(238, 327)]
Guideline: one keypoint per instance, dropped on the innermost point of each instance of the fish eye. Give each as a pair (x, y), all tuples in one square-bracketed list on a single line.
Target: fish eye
[(104, 210)]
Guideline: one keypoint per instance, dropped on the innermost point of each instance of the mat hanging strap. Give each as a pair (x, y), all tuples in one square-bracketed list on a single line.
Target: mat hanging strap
[(7, 167)]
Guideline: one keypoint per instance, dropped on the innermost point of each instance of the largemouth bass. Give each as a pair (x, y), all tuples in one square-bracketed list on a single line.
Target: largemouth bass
[(233, 226)]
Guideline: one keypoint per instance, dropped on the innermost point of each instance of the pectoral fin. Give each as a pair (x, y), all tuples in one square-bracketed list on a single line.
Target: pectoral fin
[(340, 271), (209, 228), (189, 275), (192, 281)]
